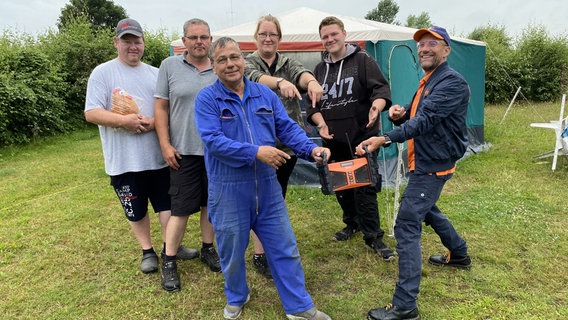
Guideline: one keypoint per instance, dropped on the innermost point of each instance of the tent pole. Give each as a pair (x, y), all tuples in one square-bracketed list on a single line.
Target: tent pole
[(510, 105)]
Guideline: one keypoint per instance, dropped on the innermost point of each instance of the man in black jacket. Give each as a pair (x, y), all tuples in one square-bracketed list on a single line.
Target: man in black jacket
[(434, 126), (355, 92)]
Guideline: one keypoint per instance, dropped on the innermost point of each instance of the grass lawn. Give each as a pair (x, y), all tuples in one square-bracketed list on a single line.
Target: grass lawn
[(67, 252)]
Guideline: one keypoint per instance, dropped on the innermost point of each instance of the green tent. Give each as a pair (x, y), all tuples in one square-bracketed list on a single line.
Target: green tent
[(398, 61)]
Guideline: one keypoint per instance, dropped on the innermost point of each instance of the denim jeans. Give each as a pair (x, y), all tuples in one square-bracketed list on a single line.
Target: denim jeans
[(419, 205)]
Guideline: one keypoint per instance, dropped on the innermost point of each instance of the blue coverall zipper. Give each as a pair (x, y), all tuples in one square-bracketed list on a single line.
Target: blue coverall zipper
[(252, 141)]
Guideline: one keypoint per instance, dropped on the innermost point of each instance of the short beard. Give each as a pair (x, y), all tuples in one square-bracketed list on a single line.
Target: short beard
[(435, 63)]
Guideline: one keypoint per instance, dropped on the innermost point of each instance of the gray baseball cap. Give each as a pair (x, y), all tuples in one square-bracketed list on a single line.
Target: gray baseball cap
[(129, 26)]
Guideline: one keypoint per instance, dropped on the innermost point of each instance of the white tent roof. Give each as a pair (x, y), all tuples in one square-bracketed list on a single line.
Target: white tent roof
[(301, 25)]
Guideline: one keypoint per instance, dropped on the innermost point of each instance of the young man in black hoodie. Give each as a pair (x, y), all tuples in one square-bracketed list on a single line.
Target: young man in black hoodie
[(355, 93)]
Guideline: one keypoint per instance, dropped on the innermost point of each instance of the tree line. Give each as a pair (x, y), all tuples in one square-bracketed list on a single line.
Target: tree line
[(536, 61), (43, 79)]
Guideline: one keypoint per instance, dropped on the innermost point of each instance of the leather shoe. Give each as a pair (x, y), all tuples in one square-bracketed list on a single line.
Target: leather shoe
[(463, 262), (391, 312)]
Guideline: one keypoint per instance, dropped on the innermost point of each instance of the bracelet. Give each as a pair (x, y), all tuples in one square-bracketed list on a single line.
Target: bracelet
[(311, 81), (278, 81)]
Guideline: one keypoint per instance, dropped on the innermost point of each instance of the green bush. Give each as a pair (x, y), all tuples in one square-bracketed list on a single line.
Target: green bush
[(31, 91), (498, 86), (43, 81), (77, 49), (536, 62), (157, 47), (543, 64)]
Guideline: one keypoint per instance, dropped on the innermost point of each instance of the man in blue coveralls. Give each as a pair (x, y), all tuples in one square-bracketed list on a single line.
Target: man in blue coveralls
[(239, 122)]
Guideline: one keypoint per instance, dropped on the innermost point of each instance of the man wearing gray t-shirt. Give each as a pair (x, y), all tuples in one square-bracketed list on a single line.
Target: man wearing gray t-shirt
[(120, 101), (179, 80)]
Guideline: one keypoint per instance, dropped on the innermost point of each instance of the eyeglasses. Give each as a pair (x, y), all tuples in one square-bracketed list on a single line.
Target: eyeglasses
[(430, 43), (202, 38), (233, 58), (272, 36)]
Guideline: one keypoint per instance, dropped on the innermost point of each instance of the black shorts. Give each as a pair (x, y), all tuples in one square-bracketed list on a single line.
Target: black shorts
[(188, 186), (134, 189)]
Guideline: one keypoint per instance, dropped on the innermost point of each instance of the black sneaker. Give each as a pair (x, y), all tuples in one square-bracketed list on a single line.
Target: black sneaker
[(261, 265), (210, 257), (451, 261), (381, 249), (344, 234), (391, 312), (149, 262), (170, 278)]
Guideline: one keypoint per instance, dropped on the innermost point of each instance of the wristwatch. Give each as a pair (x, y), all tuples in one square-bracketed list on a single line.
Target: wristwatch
[(278, 80), (387, 141)]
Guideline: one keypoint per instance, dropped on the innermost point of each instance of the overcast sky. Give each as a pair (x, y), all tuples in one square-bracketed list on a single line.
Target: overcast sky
[(459, 17)]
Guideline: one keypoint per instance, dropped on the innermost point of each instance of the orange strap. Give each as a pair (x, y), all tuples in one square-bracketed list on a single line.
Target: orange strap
[(410, 142), (413, 107)]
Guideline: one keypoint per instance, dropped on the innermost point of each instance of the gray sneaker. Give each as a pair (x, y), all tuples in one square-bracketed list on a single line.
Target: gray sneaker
[(233, 312), (311, 314), (184, 253), (149, 262)]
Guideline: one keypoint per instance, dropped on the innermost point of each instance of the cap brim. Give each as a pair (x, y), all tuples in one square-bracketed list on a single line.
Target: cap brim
[(132, 32), (421, 32)]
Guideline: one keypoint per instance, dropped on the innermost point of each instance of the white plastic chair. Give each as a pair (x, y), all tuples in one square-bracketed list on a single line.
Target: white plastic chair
[(558, 126)]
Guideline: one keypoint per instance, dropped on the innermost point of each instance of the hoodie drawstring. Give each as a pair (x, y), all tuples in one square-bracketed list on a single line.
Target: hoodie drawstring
[(339, 72), (326, 72)]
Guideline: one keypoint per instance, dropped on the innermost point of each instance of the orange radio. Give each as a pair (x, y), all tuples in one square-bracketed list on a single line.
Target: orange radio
[(359, 172)]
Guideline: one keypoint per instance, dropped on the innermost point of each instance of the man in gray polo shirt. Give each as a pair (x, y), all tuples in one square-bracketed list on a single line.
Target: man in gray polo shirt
[(180, 78)]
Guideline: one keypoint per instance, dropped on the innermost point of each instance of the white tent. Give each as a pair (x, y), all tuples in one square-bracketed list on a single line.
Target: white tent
[(300, 31), (391, 46), (394, 50)]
